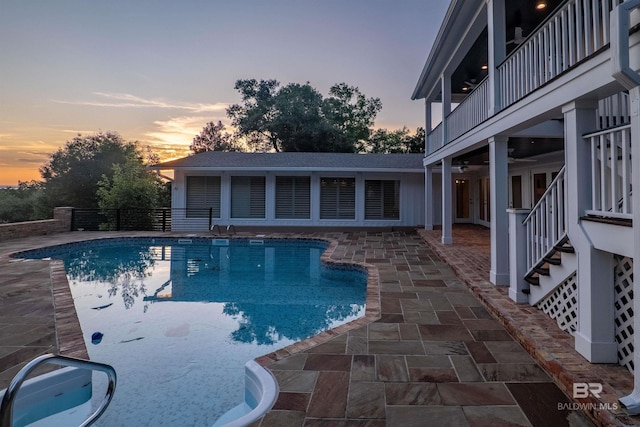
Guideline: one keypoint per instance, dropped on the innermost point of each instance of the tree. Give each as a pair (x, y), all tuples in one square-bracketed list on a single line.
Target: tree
[(212, 138), (72, 173), (352, 113), (21, 203), (395, 141), (131, 186), (298, 118)]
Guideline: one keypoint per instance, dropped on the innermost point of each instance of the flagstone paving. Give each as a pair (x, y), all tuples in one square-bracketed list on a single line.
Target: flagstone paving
[(429, 351)]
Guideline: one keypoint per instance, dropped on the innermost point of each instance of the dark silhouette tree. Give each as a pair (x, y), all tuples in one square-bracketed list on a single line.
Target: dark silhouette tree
[(213, 138), (297, 117)]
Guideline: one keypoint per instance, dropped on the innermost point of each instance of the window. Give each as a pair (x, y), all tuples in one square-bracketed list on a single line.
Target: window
[(337, 198), (381, 199), (293, 200), (203, 194), (247, 197)]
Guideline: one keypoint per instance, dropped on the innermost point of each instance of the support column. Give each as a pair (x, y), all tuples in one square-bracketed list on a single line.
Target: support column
[(499, 200), (496, 31), (595, 338), (518, 255), (447, 203), (632, 401), (428, 197)]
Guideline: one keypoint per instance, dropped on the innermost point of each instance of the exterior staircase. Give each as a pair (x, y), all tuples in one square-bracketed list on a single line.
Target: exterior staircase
[(551, 258), (552, 270)]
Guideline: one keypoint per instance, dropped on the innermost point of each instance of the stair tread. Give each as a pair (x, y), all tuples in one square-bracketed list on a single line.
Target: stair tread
[(533, 280), (565, 248), (542, 270), (553, 260)]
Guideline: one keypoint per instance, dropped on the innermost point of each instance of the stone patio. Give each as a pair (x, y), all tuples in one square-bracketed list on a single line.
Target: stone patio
[(429, 352)]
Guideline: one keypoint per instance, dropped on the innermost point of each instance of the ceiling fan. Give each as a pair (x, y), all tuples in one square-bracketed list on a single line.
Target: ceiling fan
[(470, 85), (518, 37)]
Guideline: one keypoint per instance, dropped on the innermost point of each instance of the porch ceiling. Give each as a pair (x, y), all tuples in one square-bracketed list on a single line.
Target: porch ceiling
[(520, 148), (519, 14)]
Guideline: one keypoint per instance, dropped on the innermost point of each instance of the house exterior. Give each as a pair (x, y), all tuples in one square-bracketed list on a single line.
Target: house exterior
[(296, 190), (540, 140)]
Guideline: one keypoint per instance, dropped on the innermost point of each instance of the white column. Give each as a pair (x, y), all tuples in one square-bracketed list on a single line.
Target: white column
[(428, 197), (518, 255), (499, 200), (632, 401), (496, 31), (594, 338), (447, 202)]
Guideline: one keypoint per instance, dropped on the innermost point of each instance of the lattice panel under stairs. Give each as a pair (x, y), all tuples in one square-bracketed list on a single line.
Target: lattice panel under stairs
[(562, 305), (623, 284)]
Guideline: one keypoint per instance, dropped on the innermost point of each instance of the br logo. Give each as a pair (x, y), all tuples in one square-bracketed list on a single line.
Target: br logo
[(582, 390)]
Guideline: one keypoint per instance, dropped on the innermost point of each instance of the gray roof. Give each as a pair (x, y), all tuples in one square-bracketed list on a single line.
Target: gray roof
[(218, 160)]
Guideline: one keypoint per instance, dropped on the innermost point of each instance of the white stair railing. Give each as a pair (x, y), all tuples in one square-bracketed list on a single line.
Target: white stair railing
[(614, 111), (611, 168), (546, 224)]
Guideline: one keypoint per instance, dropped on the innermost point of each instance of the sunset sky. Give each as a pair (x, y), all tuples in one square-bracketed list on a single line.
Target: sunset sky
[(158, 71)]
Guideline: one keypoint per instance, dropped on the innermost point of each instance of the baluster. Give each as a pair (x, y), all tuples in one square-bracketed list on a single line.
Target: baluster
[(603, 173), (571, 20), (595, 197), (588, 33), (558, 45), (554, 209), (626, 171), (580, 48), (614, 170)]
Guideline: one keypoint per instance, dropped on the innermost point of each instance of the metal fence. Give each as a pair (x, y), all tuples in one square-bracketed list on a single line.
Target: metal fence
[(135, 219)]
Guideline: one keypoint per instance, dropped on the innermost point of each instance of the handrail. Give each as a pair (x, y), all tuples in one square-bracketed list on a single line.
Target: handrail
[(213, 229), (546, 223), (558, 176), (6, 408), (231, 227)]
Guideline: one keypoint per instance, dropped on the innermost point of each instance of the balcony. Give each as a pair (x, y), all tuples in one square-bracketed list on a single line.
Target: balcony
[(575, 31)]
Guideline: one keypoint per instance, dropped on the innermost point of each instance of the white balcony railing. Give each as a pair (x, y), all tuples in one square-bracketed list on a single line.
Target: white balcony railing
[(614, 111), (573, 33), (611, 169), (434, 139), (470, 112), (546, 223)]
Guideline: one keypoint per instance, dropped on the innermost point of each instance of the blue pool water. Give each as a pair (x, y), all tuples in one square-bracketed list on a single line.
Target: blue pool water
[(179, 318)]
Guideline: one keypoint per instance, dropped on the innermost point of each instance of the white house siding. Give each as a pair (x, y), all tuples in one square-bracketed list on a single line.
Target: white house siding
[(411, 200)]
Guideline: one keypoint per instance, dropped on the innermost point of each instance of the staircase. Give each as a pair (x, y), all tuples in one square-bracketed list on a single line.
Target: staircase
[(550, 255)]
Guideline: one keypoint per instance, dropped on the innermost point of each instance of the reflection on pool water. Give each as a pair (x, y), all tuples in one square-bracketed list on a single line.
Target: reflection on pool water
[(178, 319)]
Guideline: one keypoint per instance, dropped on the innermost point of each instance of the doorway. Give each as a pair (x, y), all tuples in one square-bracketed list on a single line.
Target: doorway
[(463, 200)]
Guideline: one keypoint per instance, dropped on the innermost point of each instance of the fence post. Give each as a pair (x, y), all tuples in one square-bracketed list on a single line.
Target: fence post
[(210, 218), (73, 219), (164, 220)]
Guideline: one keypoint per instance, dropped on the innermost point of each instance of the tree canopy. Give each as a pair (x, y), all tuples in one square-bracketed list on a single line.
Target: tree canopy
[(214, 138), (72, 173), (297, 117), (394, 141)]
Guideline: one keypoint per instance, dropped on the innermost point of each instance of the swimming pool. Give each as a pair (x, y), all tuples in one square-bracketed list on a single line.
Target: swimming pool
[(179, 318)]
